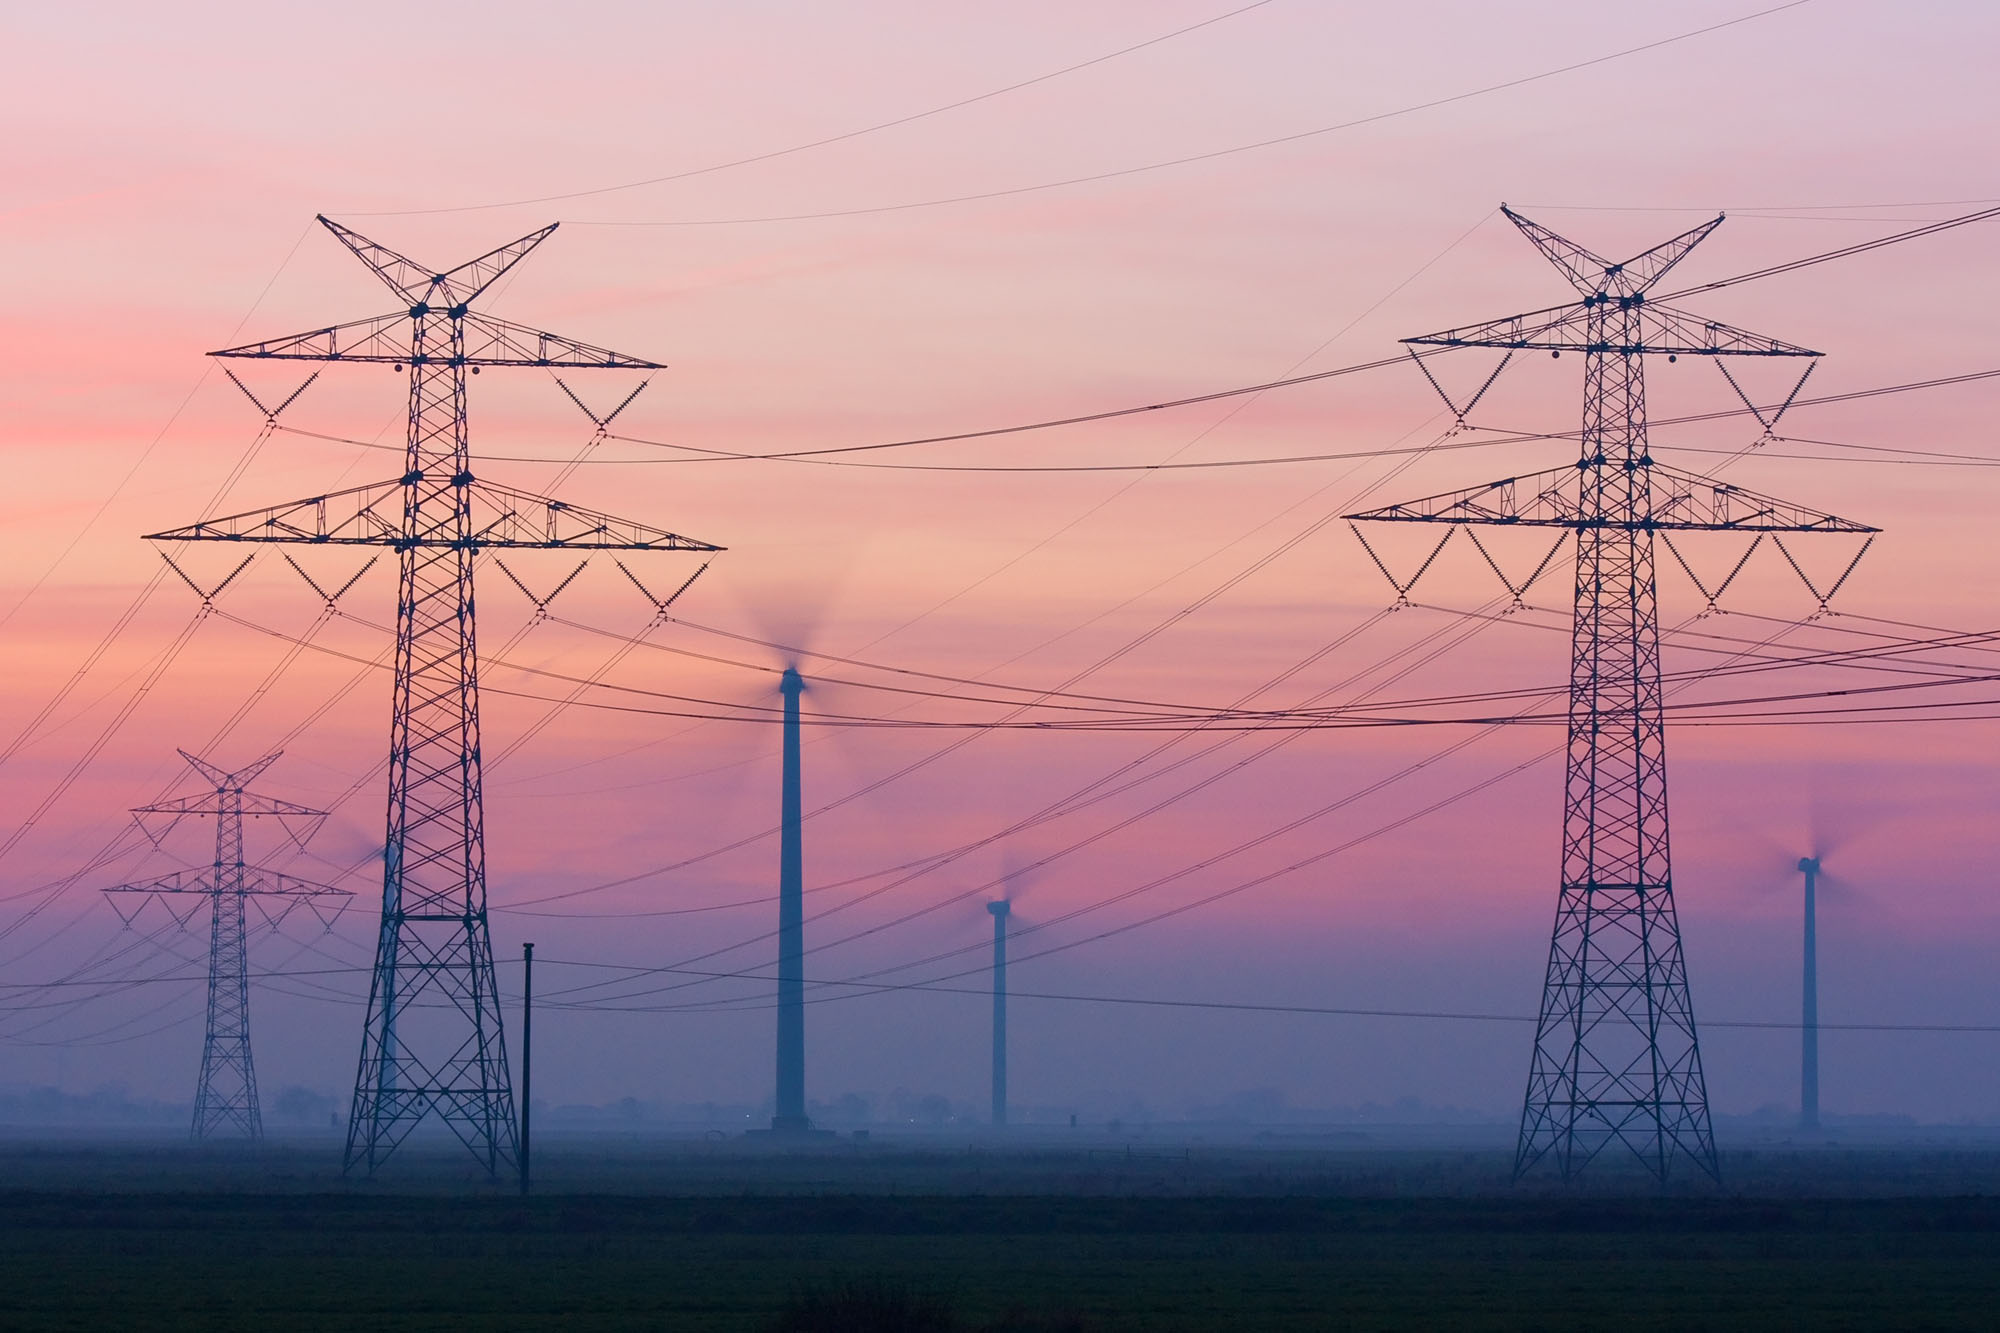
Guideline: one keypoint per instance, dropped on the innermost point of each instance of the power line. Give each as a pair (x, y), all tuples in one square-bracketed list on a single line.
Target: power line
[(1150, 886), (1247, 1006), (1143, 1001), (831, 138), (1213, 154), (707, 455)]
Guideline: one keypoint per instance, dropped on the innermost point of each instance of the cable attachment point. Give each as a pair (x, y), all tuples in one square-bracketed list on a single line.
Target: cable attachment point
[(331, 599), (541, 603), (1518, 594), (1459, 413), (1715, 596), (603, 423), (1824, 598), (1769, 423), (270, 413), (208, 596), (660, 607), (1402, 588)]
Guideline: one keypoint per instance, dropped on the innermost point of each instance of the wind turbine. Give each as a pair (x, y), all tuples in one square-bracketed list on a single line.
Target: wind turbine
[(1809, 1022), (1001, 908), (1013, 882), (1849, 825)]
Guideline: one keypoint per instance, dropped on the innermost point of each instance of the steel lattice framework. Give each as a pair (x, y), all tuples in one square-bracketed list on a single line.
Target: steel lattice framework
[(1616, 1058), (226, 1099), (433, 1042)]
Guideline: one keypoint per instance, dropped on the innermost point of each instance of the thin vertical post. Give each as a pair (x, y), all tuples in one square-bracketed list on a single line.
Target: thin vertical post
[(527, 1055)]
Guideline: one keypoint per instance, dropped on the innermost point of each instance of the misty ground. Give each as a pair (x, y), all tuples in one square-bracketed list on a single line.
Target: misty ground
[(1027, 1232)]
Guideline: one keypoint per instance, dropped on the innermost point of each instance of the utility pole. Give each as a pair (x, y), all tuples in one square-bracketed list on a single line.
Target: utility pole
[(225, 1100), (432, 1043), (1616, 1059)]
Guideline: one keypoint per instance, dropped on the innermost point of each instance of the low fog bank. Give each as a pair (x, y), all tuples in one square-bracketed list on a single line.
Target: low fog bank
[(1254, 1117)]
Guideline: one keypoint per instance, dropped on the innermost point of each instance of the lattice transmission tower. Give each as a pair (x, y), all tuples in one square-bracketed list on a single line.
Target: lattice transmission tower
[(433, 1042), (225, 1100), (1616, 1058)]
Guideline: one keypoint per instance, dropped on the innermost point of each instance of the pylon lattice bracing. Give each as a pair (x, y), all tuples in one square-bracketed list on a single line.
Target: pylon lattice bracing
[(1617, 1060), (226, 1098), (433, 1043)]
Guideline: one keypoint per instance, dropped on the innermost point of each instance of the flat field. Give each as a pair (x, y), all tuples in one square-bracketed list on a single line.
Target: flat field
[(1254, 1244)]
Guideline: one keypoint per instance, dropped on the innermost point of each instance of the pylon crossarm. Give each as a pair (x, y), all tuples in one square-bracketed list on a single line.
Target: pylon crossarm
[(1585, 269), (1552, 499), (521, 518), (415, 282), (195, 879), (1592, 274), (1684, 500), (1662, 331), (384, 338), (405, 277), (358, 516), (1639, 273), (499, 342), (372, 515), (245, 803), (277, 884)]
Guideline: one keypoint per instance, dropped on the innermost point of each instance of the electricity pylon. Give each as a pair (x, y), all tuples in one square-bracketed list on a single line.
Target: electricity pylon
[(1616, 1057), (433, 1042), (226, 1099)]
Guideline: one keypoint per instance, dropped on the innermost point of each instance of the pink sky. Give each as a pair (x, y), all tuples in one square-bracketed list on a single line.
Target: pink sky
[(165, 168)]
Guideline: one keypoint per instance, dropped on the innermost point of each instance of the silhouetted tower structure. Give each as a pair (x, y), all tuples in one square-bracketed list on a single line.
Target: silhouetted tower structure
[(1616, 1057), (1809, 1019), (1001, 909), (432, 1042), (225, 1100), (791, 1100)]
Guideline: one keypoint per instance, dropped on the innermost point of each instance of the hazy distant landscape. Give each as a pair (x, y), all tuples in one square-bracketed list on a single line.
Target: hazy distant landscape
[(1099, 1236), (887, 667)]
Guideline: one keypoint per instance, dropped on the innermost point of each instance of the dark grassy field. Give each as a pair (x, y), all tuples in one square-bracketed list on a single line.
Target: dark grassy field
[(1392, 1250)]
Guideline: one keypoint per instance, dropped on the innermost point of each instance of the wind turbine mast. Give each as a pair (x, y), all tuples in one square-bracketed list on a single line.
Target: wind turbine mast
[(1001, 909), (791, 1100), (1809, 1022)]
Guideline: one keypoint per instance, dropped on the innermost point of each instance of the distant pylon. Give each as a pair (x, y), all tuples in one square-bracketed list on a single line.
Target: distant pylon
[(1616, 1058), (432, 1041), (226, 1098)]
